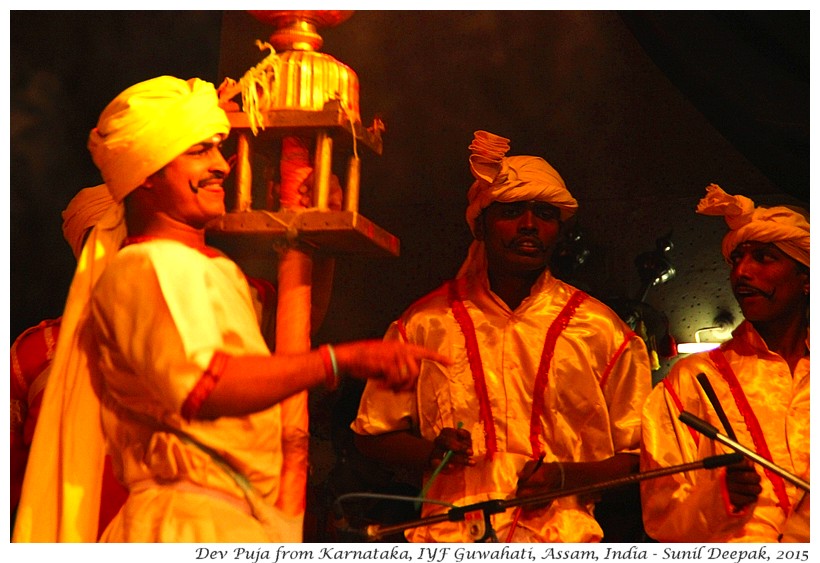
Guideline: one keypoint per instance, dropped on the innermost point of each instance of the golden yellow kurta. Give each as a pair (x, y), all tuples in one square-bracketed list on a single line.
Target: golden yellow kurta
[(598, 380), (161, 310), (693, 506)]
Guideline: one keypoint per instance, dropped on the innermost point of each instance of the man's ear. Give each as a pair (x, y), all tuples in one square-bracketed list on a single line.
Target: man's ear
[(150, 181), (807, 278)]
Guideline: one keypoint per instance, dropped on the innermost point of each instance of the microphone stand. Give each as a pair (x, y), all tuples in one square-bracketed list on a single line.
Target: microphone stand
[(710, 431), (376, 532)]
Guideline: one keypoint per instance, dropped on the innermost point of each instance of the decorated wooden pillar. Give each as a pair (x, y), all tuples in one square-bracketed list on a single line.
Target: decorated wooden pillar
[(300, 108)]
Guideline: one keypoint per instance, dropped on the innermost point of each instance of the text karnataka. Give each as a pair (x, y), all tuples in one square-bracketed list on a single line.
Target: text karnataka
[(284, 554)]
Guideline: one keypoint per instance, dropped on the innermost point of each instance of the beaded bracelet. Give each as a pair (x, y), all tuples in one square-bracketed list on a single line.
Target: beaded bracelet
[(331, 367)]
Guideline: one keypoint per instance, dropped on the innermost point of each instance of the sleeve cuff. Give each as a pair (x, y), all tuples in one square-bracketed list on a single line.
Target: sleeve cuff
[(205, 385)]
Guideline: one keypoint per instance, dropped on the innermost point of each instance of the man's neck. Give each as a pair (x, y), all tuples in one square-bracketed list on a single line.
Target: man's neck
[(786, 338), (161, 226), (513, 289)]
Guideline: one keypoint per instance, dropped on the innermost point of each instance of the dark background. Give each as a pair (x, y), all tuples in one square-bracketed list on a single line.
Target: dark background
[(638, 111)]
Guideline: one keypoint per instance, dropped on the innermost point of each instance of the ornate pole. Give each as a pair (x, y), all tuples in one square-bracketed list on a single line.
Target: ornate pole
[(304, 104)]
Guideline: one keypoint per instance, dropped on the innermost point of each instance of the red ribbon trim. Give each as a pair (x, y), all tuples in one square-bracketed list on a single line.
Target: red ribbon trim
[(539, 391), (402, 329), (679, 405), (202, 389), (465, 322), (617, 355), (752, 424)]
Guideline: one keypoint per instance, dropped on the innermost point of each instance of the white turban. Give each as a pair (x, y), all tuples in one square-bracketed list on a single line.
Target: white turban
[(787, 228), (148, 125), (82, 213), (513, 178)]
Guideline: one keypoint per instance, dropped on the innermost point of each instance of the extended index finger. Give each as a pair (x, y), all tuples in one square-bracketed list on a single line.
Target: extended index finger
[(427, 354)]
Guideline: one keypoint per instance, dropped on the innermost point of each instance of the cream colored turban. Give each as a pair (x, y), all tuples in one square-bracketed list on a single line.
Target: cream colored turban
[(787, 228), (150, 124), (507, 179), (514, 178), (83, 212)]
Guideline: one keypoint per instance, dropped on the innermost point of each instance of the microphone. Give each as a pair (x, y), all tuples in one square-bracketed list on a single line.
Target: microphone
[(377, 532), (711, 432)]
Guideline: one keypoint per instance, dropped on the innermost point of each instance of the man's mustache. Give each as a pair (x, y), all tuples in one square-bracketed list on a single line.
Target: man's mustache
[(205, 181)]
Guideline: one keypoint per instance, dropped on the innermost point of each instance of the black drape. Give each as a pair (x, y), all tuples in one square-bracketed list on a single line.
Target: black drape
[(748, 73)]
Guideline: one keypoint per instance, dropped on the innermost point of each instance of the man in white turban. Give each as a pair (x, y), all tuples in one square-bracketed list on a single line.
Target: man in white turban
[(760, 380), (546, 384), (160, 358)]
